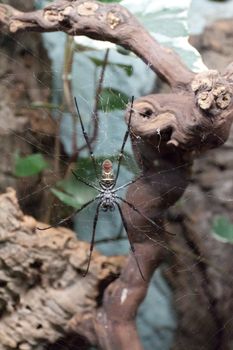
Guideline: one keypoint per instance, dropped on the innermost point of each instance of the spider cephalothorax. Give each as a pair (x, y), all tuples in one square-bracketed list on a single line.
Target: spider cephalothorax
[(107, 179), (107, 198), (107, 195)]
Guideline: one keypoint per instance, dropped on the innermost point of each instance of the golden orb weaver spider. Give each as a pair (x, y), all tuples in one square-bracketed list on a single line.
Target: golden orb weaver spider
[(107, 198)]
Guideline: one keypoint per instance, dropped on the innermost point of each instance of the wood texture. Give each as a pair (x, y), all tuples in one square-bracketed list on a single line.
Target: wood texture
[(41, 281), (168, 132), (107, 22)]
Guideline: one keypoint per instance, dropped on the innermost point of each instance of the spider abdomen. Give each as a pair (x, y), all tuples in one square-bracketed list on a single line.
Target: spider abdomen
[(107, 200)]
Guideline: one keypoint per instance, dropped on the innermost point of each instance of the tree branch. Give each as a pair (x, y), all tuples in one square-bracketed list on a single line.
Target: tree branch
[(168, 132), (105, 22)]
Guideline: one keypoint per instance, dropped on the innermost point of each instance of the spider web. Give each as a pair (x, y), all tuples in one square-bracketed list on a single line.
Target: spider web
[(108, 143)]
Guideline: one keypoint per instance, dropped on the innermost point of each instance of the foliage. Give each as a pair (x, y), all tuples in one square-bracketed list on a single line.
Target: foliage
[(111, 99), (223, 229), (126, 67), (29, 165)]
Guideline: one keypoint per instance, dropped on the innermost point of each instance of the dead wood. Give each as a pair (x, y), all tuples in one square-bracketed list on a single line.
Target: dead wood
[(168, 132), (101, 21), (41, 281), (202, 280)]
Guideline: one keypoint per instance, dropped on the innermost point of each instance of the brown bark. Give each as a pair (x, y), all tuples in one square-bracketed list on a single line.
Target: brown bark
[(202, 280), (168, 132), (25, 80), (42, 286), (100, 21)]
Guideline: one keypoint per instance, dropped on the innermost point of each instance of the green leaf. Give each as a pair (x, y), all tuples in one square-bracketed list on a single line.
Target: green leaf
[(112, 99), (223, 229), (73, 192), (128, 68), (29, 165), (66, 198)]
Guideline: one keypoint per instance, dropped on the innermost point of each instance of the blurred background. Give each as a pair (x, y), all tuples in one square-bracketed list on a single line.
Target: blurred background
[(41, 142)]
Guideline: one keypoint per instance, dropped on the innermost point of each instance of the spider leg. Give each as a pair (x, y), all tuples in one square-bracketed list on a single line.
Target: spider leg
[(92, 238), (124, 140), (86, 139), (129, 238), (83, 181), (129, 183), (154, 240), (144, 216), (68, 217)]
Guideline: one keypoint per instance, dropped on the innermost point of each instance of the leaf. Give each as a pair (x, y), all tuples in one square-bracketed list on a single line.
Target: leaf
[(223, 229), (126, 67), (73, 192), (76, 200), (112, 99), (66, 198), (29, 165)]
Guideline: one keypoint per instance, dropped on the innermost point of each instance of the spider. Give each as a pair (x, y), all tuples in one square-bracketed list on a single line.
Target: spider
[(107, 198)]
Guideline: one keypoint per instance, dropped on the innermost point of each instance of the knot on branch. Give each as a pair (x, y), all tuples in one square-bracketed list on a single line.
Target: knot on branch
[(212, 91), (73, 14), (166, 120), (87, 8), (113, 20), (57, 15), (162, 120)]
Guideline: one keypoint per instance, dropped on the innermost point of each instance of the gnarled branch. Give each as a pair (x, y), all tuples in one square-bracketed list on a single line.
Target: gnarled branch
[(42, 286), (168, 131), (105, 22)]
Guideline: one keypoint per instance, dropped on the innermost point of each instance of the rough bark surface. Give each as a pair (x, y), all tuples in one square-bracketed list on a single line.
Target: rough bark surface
[(25, 76), (168, 132), (25, 82), (201, 270), (41, 283), (102, 22)]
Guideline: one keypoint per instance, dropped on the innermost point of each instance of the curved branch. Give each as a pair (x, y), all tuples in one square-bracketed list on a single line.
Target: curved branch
[(105, 22), (194, 121)]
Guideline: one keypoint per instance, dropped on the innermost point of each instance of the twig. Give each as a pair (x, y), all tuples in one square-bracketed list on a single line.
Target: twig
[(67, 89), (97, 96)]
